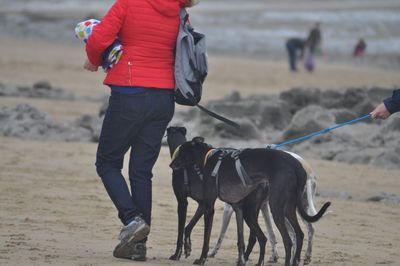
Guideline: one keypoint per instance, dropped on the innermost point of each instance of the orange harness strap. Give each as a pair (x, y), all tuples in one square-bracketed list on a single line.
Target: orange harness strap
[(206, 156)]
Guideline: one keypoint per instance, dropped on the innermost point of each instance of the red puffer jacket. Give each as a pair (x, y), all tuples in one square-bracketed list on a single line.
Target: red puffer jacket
[(147, 30)]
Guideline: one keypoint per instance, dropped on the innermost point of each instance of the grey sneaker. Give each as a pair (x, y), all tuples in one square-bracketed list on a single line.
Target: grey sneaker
[(139, 252), (129, 235)]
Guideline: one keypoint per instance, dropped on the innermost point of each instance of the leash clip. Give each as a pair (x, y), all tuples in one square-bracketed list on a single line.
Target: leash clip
[(271, 146)]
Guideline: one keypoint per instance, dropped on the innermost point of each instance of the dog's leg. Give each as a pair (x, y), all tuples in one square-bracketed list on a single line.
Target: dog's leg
[(208, 220), (310, 230), (240, 243), (292, 235), (277, 210), (250, 244), (224, 226), (308, 203), (251, 219), (188, 230), (298, 238), (251, 208), (182, 210), (266, 211)]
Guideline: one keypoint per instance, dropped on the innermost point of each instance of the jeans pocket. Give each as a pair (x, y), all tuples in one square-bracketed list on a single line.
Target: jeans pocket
[(133, 106)]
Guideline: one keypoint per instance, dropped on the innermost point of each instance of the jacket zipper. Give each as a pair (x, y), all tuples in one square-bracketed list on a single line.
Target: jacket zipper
[(130, 72)]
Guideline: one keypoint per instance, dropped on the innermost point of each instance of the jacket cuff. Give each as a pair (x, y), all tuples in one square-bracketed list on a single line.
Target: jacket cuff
[(393, 103)]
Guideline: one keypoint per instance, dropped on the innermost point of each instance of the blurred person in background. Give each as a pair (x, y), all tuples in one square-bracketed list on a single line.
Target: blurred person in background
[(389, 106), (295, 49), (360, 47), (312, 45), (314, 38)]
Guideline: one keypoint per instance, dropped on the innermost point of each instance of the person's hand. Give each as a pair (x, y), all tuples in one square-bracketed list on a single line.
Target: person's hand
[(89, 66), (380, 112)]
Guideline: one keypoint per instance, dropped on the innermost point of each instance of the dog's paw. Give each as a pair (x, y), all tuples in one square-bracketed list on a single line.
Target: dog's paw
[(187, 252), (240, 263), (273, 259), (200, 261), (212, 254), (175, 257), (188, 248), (307, 260)]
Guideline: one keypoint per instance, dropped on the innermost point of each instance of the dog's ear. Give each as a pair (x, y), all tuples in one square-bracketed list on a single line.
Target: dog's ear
[(196, 140)]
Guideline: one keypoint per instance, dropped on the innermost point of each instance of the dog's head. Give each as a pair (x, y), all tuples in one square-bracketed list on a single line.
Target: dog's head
[(175, 137), (176, 130), (190, 153)]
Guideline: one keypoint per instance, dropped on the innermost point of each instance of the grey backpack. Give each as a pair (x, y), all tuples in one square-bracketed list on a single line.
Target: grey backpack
[(191, 67), (191, 64)]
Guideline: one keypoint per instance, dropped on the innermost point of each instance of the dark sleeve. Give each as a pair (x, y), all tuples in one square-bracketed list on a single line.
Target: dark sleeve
[(393, 103)]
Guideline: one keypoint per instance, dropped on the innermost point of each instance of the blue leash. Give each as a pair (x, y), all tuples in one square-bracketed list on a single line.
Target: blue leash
[(274, 146)]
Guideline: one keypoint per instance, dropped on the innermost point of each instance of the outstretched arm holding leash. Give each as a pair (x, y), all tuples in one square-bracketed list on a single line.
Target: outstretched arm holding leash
[(388, 107)]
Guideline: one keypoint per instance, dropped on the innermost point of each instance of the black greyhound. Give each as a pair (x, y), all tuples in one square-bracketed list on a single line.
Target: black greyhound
[(308, 202), (283, 174), (190, 184), (187, 183)]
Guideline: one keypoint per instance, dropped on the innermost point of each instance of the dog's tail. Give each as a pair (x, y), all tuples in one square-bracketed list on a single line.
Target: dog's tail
[(300, 207), (303, 213)]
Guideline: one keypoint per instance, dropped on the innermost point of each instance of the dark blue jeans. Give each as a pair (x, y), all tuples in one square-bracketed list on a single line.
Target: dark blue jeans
[(291, 49), (136, 121)]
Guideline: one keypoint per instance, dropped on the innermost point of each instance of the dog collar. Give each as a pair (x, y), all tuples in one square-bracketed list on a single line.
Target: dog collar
[(209, 153), (175, 152)]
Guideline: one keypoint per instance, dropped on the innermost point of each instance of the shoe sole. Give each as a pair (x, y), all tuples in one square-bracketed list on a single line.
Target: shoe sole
[(138, 258), (124, 248)]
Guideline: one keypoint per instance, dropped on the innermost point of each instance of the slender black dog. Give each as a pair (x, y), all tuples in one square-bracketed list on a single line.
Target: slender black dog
[(283, 174), (190, 184), (308, 202)]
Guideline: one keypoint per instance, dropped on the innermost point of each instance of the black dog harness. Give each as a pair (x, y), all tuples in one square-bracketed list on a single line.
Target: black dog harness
[(234, 153), (222, 153)]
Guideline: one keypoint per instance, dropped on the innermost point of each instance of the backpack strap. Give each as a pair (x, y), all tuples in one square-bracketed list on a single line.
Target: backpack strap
[(184, 15)]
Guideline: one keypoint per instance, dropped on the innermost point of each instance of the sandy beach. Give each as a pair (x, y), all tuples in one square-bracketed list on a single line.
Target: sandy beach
[(54, 209)]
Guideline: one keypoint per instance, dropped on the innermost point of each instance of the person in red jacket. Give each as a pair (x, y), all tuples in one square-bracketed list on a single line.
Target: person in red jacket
[(140, 107)]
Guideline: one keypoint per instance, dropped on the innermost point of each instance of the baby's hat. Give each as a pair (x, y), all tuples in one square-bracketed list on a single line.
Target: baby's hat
[(84, 29)]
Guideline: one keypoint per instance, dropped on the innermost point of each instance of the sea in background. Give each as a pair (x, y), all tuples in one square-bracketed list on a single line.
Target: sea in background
[(247, 28)]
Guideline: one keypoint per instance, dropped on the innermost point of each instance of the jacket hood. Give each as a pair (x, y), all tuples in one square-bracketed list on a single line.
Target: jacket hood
[(168, 8)]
